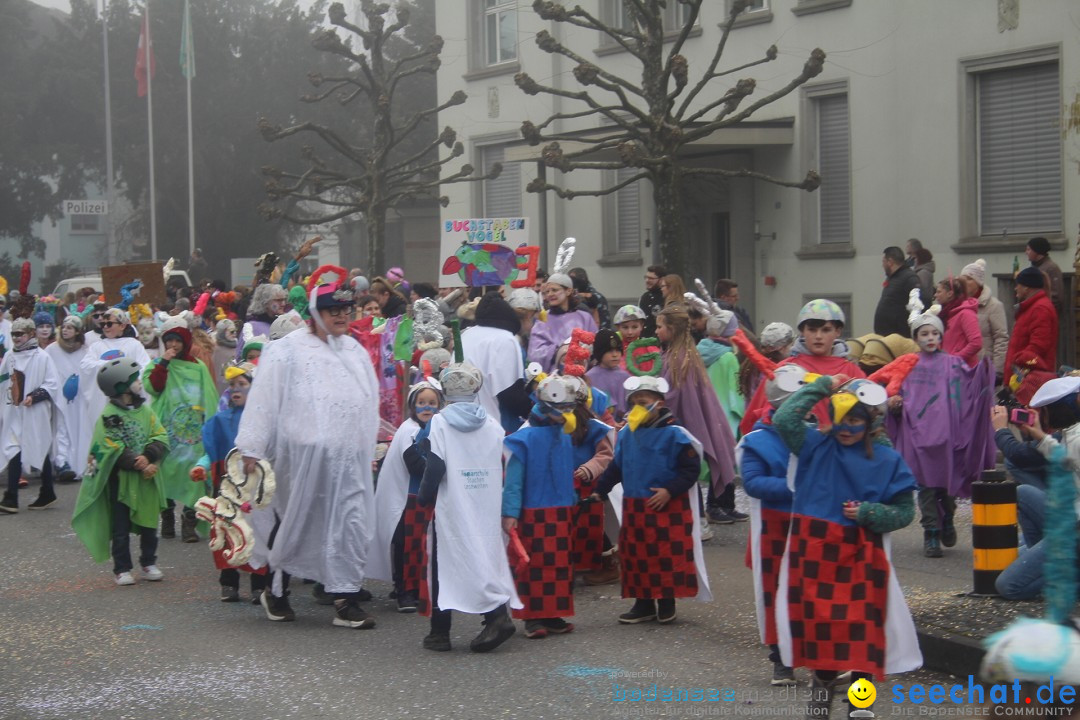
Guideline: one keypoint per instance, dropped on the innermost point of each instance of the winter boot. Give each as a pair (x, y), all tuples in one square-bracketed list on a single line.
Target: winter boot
[(168, 523), (608, 572), (948, 531), (932, 543), (498, 628), (187, 528)]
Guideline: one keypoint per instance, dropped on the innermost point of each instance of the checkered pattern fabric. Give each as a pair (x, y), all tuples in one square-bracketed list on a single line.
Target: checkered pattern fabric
[(837, 593), (414, 552), (774, 535), (546, 585), (588, 542), (657, 550)]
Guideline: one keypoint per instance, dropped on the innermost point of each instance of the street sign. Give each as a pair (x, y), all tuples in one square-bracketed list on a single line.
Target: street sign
[(86, 207)]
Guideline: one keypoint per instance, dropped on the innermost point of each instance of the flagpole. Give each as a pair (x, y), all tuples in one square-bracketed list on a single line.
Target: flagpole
[(150, 124), (110, 240), (190, 148)]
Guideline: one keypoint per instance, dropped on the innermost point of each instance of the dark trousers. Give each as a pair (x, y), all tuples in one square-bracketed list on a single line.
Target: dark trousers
[(725, 500), (122, 528), (440, 619), (230, 577), (14, 472), (935, 507), (269, 570), (397, 556)]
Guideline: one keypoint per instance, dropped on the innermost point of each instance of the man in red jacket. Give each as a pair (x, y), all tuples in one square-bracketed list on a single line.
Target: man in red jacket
[(1033, 345)]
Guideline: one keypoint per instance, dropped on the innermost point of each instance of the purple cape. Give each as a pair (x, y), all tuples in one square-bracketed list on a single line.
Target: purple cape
[(944, 431), (696, 407), (546, 336), (611, 382)]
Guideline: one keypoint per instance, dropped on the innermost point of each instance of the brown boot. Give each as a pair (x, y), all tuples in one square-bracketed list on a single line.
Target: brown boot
[(608, 573), (168, 523), (187, 529)]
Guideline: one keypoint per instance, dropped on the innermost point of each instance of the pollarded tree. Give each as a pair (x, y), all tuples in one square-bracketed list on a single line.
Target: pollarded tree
[(648, 123), (391, 81)]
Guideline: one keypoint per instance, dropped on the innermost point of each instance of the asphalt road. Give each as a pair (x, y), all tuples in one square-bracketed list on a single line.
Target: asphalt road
[(74, 645)]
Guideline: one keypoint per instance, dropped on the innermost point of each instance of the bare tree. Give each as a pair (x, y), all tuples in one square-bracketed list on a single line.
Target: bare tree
[(393, 78), (647, 124)]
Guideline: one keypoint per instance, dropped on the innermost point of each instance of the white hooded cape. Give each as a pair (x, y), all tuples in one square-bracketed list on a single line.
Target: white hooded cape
[(313, 412), (28, 430), (391, 494), (72, 438)]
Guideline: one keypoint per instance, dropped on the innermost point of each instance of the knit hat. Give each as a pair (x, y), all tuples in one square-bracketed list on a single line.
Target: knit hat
[(74, 321), (525, 299), (976, 271), (1040, 245), (1031, 277), (775, 336), (460, 381), (43, 318), (25, 325), (604, 342), (493, 311)]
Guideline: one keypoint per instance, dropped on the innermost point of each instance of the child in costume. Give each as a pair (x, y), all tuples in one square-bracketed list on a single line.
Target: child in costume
[(721, 364), (840, 606), (938, 422), (564, 312), (30, 387), (657, 462), (538, 503), (467, 568), (122, 492), (72, 436), (610, 373), (818, 349), (774, 343), (218, 439), (397, 553), (184, 398), (764, 460), (629, 320)]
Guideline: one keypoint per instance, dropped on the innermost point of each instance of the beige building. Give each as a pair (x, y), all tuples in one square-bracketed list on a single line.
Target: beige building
[(943, 121)]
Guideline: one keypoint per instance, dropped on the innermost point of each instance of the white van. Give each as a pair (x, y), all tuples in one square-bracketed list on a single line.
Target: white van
[(74, 284)]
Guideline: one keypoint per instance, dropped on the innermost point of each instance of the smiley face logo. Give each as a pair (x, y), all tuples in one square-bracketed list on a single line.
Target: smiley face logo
[(862, 693)]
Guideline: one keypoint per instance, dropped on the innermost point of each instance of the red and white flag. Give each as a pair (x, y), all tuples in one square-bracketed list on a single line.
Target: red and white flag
[(146, 47)]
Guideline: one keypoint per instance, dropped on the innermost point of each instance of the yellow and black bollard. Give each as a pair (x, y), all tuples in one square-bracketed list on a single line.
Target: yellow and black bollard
[(994, 537)]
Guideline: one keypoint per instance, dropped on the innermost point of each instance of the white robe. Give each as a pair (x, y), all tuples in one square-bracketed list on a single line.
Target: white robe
[(72, 440), (313, 413), (5, 334), (391, 494), (28, 430), (93, 398), (474, 570), (497, 354)]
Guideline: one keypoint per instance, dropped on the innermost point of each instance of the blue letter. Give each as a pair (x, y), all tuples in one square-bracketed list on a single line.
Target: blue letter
[(917, 693), (955, 694), (971, 691), (937, 694), (898, 693), (616, 694)]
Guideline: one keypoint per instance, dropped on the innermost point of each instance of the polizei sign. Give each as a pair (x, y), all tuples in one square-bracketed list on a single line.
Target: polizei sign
[(86, 207)]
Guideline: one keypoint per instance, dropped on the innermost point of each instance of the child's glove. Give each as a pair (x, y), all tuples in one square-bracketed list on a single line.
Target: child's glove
[(198, 474)]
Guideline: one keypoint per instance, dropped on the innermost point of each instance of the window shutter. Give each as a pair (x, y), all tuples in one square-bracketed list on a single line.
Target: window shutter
[(502, 196), (628, 214), (834, 165), (1019, 150)]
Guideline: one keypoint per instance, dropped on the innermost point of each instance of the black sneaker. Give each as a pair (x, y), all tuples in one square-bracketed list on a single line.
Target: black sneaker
[(782, 674), (495, 633), (665, 610), (718, 517), (948, 532), (349, 614), (230, 594), (642, 611), (363, 595), (535, 630), (277, 608), (256, 597), (736, 515), (42, 502), (558, 626), (318, 591), (439, 642), (406, 602), (66, 475), (10, 504)]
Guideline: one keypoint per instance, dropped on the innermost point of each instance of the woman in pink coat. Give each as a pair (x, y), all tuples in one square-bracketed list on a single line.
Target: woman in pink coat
[(960, 314)]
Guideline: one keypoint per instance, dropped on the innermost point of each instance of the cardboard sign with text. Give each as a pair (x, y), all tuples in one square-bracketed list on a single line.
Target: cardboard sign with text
[(114, 277), (480, 252)]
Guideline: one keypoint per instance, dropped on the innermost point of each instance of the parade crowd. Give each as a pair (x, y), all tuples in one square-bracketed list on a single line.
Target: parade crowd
[(484, 449)]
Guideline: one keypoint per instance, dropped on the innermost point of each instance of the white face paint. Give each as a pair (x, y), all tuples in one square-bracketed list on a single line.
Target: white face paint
[(928, 338), (44, 332)]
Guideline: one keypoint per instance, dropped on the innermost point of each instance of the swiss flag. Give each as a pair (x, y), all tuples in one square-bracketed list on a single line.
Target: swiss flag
[(140, 57)]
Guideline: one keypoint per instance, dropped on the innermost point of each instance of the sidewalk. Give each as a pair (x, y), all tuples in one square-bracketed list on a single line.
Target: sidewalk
[(950, 623)]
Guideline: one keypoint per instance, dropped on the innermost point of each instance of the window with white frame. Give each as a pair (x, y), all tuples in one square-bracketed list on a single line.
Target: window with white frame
[(616, 14), (501, 196), (834, 166), (627, 215), (1018, 149), (499, 31)]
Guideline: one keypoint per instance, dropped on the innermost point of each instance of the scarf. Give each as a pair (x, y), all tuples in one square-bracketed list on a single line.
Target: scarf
[(71, 345), (27, 344)]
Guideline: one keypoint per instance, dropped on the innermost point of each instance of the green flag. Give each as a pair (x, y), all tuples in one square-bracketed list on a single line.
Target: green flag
[(187, 45)]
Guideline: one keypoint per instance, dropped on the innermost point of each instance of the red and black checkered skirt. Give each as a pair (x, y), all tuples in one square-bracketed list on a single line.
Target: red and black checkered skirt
[(414, 520), (588, 545), (773, 541), (546, 585), (837, 593), (657, 550)]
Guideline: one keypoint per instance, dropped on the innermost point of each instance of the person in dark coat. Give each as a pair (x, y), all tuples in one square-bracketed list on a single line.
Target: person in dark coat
[(652, 300), (891, 314)]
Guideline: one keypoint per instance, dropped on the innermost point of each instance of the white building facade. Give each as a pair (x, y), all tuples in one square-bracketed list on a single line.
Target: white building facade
[(951, 122)]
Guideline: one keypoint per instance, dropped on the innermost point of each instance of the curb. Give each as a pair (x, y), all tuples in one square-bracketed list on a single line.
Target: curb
[(946, 652)]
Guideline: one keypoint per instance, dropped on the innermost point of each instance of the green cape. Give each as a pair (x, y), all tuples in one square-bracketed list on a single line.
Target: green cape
[(190, 399), (92, 521)]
